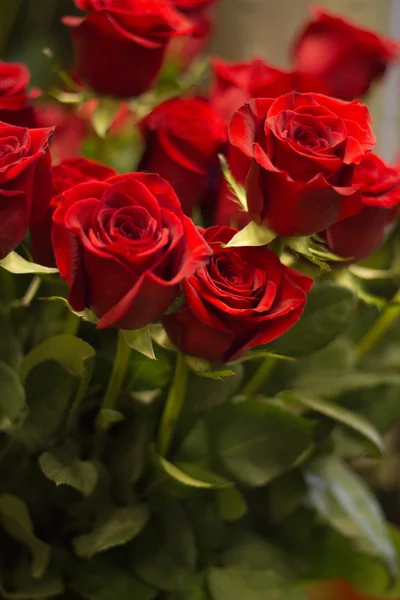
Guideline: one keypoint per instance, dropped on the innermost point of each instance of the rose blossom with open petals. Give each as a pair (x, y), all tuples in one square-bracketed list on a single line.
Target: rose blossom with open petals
[(244, 297), (66, 175), (124, 246), (25, 181), (15, 97), (358, 236), (302, 151)]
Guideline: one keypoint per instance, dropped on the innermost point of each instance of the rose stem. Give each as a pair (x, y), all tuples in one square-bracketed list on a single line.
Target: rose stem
[(121, 362), (379, 328), (31, 291), (173, 406), (260, 376)]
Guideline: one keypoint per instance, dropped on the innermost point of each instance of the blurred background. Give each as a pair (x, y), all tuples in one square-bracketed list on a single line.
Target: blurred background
[(244, 29)]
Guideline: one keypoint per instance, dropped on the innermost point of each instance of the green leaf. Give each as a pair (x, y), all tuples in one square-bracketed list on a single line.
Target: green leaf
[(258, 441), (15, 519), (105, 579), (104, 115), (12, 396), (203, 368), (140, 340), (331, 383), (256, 354), (372, 274), (50, 390), (340, 414), (76, 355), (108, 417), (328, 311), (205, 393), (145, 374), (238, 191), (302, 246), (121, 527), (164, 556), (253, 570), (192, 475), (231, 504), (343, 500), (14, 263), (252, 235), (61, 466), (159, 335), (345, 278), (86, 315), (285, 494), (239, 582), (10, 345), (20, 585)]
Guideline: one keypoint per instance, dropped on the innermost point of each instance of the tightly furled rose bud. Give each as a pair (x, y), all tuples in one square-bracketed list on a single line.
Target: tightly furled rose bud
[(302, 151), (346, 57), (235, 83), (120, 44), (243, 298), (183, 138), (124, 246), (358, 236), (25, 182), (15, 98), (66, 175)]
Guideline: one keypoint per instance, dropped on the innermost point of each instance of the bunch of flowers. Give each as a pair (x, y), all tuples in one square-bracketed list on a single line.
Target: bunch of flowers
[(195, 382)]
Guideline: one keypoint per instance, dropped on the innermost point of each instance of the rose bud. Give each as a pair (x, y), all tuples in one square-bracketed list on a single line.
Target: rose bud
[(124, 246), (120, 45), (302, 149), (358, 236), (25, 181), (243, 298), (182, 141), (15, 98), (348, 58), (235, 83), (66, 175), (184, 50)]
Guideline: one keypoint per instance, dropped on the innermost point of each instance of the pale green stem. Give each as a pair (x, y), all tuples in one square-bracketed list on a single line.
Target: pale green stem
[(174, 404), (121, 362), (379, 329), (255, 382)]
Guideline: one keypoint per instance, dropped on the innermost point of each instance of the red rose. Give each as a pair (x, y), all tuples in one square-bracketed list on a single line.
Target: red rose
[(303, 150), (183, 51), (70, 130), (120, 44), (358, 236), (15, 98), (234, 84), (183, 138), (124, 246), (346, 57), (242, 298), (66, 175), (25, 182)]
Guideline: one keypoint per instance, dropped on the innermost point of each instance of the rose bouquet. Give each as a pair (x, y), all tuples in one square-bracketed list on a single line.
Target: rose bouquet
[(199, 383)]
